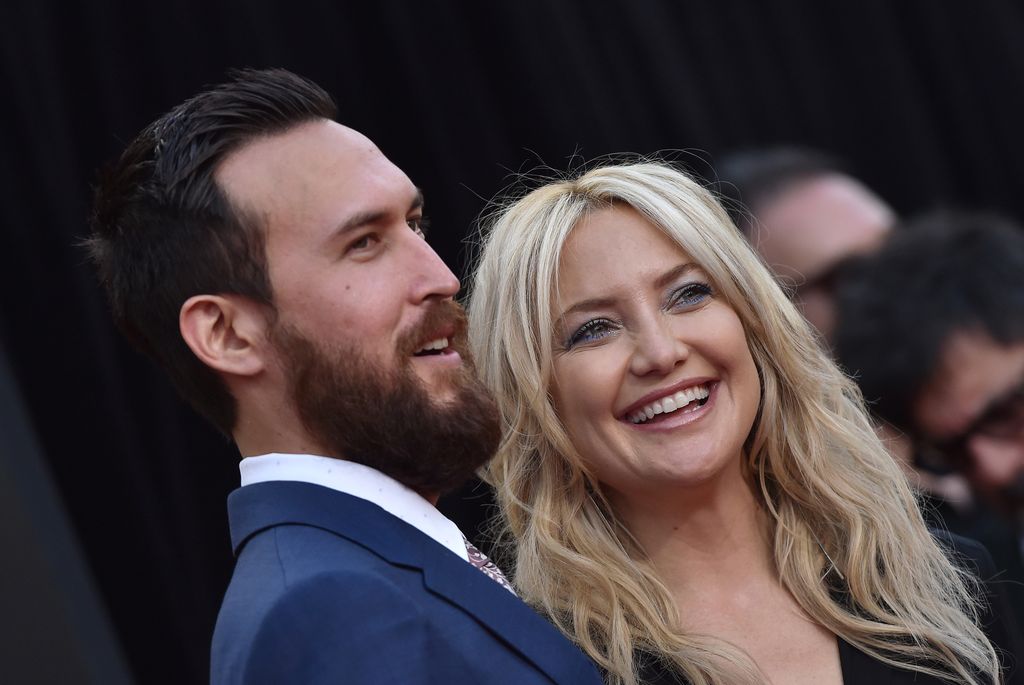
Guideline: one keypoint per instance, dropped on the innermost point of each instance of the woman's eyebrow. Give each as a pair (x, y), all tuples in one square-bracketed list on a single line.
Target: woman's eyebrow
[(606, 302), (585, 305), (674, 273)]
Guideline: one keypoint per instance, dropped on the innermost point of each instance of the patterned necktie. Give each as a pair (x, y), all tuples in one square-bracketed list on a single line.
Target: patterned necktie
[(489, 568)]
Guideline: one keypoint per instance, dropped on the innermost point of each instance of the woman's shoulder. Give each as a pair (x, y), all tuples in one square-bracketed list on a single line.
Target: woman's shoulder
[(969, 554), (996, 617)]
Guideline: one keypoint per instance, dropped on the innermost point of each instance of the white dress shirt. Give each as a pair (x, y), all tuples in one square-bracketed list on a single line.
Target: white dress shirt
[(359, 481)]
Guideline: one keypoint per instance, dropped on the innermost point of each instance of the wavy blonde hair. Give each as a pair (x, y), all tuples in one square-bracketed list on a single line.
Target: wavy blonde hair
[(884, 585)]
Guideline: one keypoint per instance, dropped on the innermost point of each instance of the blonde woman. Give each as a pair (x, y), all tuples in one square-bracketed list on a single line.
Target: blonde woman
[(694, 491)]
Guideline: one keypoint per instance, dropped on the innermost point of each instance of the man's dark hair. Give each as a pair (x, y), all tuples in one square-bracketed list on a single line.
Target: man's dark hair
[(749, 179), (163, 230), (937, 276)]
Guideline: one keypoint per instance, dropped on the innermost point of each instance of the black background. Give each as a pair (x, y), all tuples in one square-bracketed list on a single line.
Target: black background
[(923, 98)]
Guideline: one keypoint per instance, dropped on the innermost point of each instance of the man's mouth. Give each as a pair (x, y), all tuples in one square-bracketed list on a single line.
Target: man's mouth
[(441, 333), (687, 400), (433, 347)]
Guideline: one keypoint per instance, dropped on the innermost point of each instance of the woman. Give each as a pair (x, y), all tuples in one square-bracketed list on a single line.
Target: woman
[(694, 491)]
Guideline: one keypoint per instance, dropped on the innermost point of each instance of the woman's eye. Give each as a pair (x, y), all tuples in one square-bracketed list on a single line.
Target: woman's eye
[(689, 295), (418, 225), (589, 332)]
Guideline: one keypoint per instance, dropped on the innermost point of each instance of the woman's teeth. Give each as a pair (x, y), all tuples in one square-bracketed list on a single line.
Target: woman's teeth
[(677, 402)]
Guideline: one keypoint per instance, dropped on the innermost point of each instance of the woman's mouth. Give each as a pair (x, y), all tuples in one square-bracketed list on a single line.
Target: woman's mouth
[(687, 400)]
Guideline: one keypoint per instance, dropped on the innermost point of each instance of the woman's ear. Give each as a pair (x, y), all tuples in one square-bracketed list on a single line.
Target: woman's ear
[(228, 333)]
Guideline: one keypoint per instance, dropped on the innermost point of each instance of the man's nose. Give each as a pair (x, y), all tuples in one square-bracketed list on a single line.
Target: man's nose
[(432, 277)]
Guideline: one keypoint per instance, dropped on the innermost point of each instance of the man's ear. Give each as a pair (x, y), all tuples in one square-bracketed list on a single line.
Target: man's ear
[(228, 333)]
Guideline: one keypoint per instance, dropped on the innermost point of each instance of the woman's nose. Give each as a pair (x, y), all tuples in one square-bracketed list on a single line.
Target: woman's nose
[(658, 349)]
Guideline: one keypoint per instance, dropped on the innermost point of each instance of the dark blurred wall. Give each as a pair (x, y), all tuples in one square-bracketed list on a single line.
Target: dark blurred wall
[(53, 628), (925, 100)]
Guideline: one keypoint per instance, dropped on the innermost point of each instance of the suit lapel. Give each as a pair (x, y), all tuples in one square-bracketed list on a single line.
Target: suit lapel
[(263, 505), (507, 616)]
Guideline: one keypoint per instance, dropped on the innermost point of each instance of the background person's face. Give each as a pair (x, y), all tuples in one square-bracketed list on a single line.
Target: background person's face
[(977, 377), (639, 327), (813, 227)]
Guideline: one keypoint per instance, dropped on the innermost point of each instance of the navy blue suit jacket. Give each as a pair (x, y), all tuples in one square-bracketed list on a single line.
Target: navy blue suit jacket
[(329, 588)]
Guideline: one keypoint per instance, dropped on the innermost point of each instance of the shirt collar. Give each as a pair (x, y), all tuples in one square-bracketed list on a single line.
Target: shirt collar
[(359, 481)]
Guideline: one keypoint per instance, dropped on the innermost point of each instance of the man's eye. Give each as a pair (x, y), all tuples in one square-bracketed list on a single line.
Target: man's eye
[(364, 242), (419, 225), (592, 330)]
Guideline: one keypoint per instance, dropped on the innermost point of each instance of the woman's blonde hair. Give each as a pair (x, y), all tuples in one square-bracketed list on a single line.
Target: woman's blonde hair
[(849, 541)]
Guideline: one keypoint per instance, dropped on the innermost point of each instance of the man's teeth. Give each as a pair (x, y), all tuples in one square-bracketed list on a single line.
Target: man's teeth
[(439, 344), (667, 405)]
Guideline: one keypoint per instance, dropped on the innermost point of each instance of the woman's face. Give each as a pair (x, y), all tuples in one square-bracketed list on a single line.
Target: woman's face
[(653, 378)]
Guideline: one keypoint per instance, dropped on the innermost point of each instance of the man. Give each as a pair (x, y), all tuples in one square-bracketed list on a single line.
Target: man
[(806, 218), (932, 326), (273, 261)]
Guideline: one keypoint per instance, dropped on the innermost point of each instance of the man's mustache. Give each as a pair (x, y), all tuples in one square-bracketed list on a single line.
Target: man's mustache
[(441, 315)]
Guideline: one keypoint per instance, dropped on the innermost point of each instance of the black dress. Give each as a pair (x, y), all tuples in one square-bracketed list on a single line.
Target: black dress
[(858, 668), (997, 533)]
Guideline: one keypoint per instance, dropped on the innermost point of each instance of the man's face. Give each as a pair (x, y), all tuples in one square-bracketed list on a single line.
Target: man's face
[(347, 263), (811, 228), (357, 289), (973, 404)]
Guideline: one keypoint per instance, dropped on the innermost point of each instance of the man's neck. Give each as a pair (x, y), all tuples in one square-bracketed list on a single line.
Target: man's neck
[(359, 481)]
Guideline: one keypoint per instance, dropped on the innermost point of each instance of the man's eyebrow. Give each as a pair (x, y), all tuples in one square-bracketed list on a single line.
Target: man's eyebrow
[(417, 201), (604, 302), (373, 216), (998, 401)]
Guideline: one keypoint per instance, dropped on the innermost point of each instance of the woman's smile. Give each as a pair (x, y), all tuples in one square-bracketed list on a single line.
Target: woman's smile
[(653, 378)]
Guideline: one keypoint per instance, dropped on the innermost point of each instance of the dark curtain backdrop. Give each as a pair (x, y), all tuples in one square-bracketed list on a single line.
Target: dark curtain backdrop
[(924, 99)]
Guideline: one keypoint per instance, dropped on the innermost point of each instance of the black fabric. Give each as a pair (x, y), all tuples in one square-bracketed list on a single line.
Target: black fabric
[(924, 99), (997, 619), (998, 536)]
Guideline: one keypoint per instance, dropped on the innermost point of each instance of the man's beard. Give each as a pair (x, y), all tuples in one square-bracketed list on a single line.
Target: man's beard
[(385, 418)]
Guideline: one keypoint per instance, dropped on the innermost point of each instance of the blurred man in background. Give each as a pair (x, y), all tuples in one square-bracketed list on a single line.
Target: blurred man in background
[(806, 218), (932, 326)]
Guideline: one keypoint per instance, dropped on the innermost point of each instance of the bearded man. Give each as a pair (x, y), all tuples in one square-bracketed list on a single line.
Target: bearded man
[(273, 262)]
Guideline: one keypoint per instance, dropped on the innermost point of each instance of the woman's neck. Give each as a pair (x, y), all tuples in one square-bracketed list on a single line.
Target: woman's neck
[(714, 534), (711, 546)]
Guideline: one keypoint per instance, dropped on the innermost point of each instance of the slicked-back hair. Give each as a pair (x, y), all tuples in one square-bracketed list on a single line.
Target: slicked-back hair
[(941, 274), (164, 231)]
